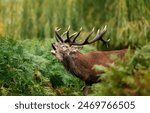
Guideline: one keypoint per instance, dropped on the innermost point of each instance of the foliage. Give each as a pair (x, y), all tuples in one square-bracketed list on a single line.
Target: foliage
[(38, 18), (29, 69), (126, 78)]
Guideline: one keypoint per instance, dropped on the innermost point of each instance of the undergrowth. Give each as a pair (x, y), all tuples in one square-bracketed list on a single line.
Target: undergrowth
[(28, 68), (126, 78)]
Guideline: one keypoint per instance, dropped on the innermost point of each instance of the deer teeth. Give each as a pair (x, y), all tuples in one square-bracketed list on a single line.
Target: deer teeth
[(53, 52)]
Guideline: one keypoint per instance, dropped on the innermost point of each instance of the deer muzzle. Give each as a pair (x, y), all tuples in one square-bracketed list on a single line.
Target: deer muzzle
[(53, 52)]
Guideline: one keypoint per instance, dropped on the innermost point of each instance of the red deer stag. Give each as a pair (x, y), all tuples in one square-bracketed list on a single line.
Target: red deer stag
[(81, 64)]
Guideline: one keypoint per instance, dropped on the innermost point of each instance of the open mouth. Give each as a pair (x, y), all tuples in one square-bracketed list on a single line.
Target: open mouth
[(53, 51), (53, 46)]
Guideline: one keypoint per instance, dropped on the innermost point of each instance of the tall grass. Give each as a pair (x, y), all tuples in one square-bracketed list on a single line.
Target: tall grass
[(30, 18), (128, 21)]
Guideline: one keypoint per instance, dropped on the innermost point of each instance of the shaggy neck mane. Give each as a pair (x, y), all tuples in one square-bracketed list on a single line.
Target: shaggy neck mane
[(73, 64)]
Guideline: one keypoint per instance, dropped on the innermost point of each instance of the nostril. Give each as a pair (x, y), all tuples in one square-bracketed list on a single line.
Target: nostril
[(53, 47)]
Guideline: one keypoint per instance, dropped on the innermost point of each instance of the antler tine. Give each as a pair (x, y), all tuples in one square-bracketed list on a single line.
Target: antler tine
[(105, 42), (85, 41), (99, 36), (68, 38), (58, 37), (77, 35), (87, 38), (66, 31), (72, 35)]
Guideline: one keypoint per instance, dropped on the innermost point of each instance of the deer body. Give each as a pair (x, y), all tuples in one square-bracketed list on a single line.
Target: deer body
[(81, 64)]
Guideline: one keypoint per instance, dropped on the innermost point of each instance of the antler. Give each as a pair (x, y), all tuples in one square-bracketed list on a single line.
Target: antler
[(69, 40), (98, 36), (59, 37)]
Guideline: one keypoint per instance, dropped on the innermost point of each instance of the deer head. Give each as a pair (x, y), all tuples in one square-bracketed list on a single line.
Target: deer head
[(69, 46)]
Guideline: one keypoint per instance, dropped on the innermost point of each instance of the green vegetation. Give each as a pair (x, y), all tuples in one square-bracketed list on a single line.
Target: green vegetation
[(27, 31), (126, 78), (28, 68)]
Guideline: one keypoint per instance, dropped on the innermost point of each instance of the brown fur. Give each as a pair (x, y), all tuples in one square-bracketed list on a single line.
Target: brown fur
[(81, 64)]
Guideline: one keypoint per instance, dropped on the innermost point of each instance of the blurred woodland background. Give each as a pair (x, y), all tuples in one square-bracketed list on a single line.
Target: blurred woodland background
[(27, 31)]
